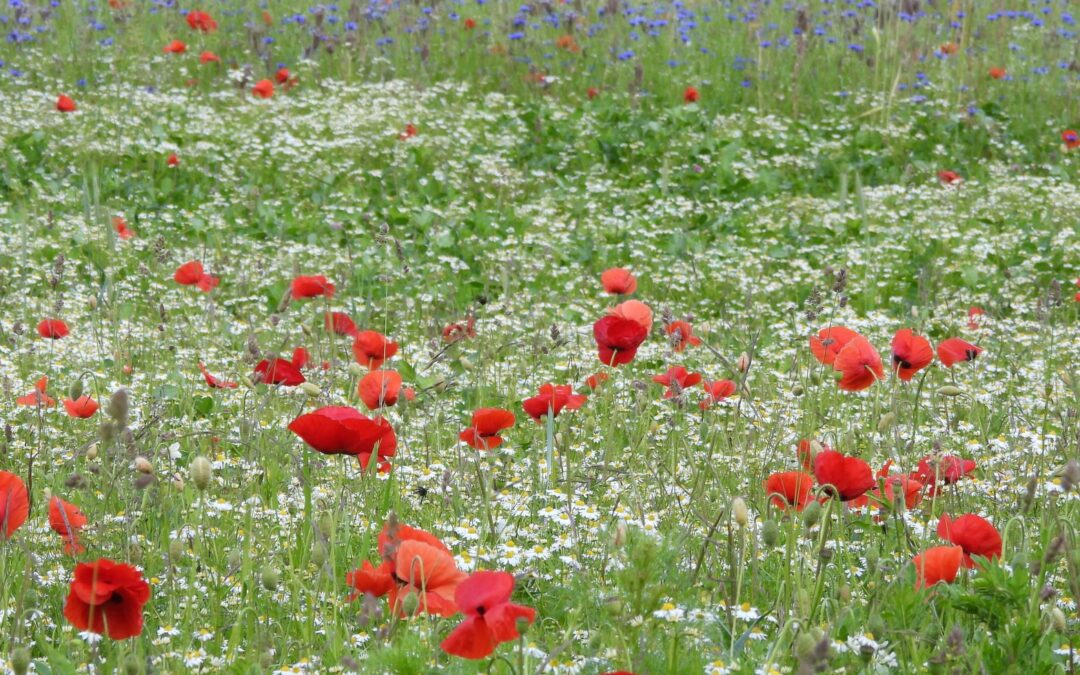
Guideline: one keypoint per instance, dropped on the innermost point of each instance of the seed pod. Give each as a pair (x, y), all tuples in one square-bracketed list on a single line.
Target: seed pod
[(949, 390), (739, 512), (770, 533), (311, 389), (201, 471)]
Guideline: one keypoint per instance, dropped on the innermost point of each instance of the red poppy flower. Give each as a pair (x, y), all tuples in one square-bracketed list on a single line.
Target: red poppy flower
[(379, 388), (282, 75), (910, 353), (14, 504), (948, 469), (595, 380), (410, 131), (371, 349), (66, 520), (860, 365), (201, 21), (469, 24), (1071, 139), (340, 430), (173, 160), (842, 476), (949, 48), (617, 339), (263, 89), (829, 341), (715, 392), (311, 287), (300, 357), (592, 92), (490, 617), (487, 424), (175, 47), (682, 335), (955, 350), (690, 95), (214, 382), (997, 73), (209, 57), (789, 489), (460, 331), (552, 399), (82, 407), (340, 323), (121, 227), (973, 312), (53, 329), (65, 104), (807, 454), (911, 489), (107, 597), (279, 371), (191, 273), (618, 281), (38, 396), (949, 177), (676, 376), (429, 571), (634, 310), (940, 563), (973, 533)]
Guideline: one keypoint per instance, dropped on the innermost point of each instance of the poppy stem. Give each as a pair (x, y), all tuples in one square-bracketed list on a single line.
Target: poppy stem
[(551, 444)]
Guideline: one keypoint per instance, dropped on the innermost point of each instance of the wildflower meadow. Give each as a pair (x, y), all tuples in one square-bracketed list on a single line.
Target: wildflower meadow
[(566, 336)]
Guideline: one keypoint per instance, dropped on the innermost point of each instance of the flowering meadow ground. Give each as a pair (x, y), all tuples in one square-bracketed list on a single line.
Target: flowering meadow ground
[(575, 337)]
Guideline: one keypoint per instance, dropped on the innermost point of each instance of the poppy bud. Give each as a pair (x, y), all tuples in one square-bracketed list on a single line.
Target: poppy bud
[(804, 646), (844, 593), (872, 562), (816, 447), (143, 481), (1057, 620), (620, 535), (246, 381), (20, 660), (803, 598), (886, 422), (270, 577), (133, 665), (76, 390), (409, 604), (811, 514), (949, 390), (356, 370), (91, 452), (318, 555), (201, 471), (743, 362), (815, 378), (143, 465), (107, 431), (770, 533), (523, 625), (1070, 477), (176, 549), (235, 559), (1066, 377), (875, 624), (466, 363), (326, 524), (91, 302), (118, 406), (311, 389), (739, 512), (178, 482), (797, 390)]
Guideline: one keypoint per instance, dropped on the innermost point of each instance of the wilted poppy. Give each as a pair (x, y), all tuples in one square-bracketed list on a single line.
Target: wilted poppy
[(677, 379), (490, 617), (175, 47), (973, 533), (82, 407), (459, 331), (340, 430), (789, 489), (65, 104), (551, 400), (201, 21), (618, 281), (379, 388), (487, 424), (107, 597), (340, 323), (414, 563), (310, 287), (66, 520), (371, 349), (54, 329), (973, 312), (859, 365), (263, 89), (38, 397), (842, 476), (14, 504), (910, 353), (956, 350), (278, 371), (617, 339), (681, 335), (829, 341), (940, 563), (215, 382), (716, 391)]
